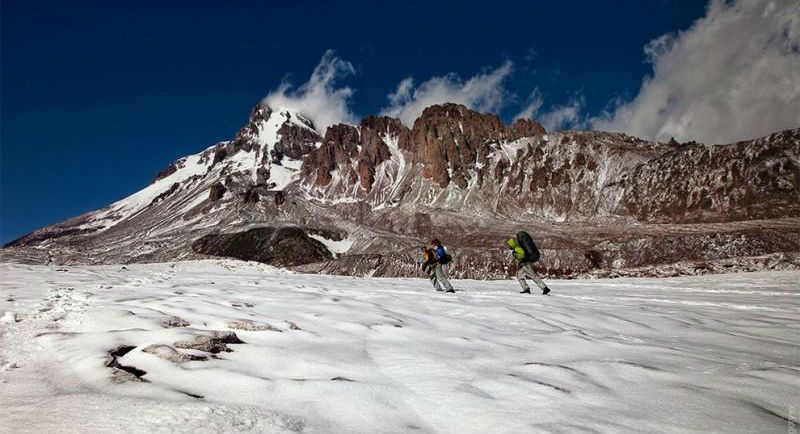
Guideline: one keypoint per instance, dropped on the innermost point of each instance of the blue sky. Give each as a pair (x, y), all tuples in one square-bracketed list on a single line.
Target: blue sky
[(98, 97)]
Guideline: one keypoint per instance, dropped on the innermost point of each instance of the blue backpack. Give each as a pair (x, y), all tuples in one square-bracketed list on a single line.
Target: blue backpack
[(442, 256)]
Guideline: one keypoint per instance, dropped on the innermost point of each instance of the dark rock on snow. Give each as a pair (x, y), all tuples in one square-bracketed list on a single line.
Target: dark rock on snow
[(283, 246)]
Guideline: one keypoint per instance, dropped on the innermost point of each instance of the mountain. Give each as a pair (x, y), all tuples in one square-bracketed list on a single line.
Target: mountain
[(361, 199)]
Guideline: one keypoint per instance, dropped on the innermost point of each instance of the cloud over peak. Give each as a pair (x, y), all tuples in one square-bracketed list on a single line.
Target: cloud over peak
[(318, 98), (484, 92)]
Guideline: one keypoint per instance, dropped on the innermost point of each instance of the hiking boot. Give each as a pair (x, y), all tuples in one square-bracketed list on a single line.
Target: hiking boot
[(545, 291), (451, 290), (525, 291)]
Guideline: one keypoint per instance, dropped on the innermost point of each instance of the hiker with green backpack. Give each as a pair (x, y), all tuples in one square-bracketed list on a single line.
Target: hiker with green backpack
[(526, 253)]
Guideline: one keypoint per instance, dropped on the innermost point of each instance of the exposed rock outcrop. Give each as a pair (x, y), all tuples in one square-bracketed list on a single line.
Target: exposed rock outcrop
[(390, 127), (295, 141), (166, 352), (339, 147), (214, 342), (216, 192), (123, 373), (522, 128), (251, 326), (282, 246), (174, 321), (353, 153), (169, 170)]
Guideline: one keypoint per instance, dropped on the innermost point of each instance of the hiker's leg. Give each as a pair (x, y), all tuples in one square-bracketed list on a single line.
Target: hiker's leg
[(441, 275), (435, 283), (521, 273), (432, 276), (530, 274)]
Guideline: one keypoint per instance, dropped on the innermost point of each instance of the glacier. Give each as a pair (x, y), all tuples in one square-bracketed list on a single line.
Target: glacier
[(335, 354)]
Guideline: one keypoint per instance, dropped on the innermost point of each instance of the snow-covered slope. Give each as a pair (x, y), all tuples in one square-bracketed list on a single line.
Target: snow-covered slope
[(107, 349), (255, 153)]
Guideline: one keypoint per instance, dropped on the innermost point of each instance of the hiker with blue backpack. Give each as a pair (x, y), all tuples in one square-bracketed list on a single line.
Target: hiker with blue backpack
[(436, 260), (526, 253)]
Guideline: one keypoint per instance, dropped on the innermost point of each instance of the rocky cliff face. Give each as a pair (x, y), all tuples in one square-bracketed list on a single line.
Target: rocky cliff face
[(371, 193), (353, 153), (449, 141), (453, 143), (749, 180), (462, 161)]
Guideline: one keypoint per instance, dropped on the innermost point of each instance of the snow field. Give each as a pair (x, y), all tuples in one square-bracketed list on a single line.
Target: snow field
[(333, 354)]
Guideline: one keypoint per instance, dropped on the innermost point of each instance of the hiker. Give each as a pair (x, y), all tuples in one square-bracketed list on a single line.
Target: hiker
[(436, 260), (526, 253)]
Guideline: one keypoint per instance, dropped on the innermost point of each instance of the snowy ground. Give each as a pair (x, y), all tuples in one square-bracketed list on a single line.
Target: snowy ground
[(331, 354)]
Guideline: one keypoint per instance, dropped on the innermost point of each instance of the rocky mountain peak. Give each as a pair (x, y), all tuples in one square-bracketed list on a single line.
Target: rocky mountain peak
[(525, 128), (265, 122), (450, 139), (247, 136), (261, 112), (272, 134)]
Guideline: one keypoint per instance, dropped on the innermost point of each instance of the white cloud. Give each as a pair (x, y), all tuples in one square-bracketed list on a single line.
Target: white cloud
[(483, 92), (535, 102), (557, 118), (733, 75), (564, 116), (318, 99)]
